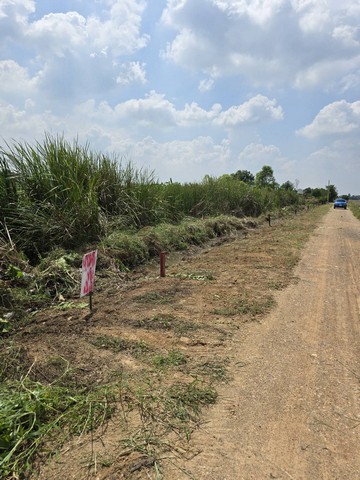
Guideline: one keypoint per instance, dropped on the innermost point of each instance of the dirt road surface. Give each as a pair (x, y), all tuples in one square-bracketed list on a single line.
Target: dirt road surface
[(292, 410)]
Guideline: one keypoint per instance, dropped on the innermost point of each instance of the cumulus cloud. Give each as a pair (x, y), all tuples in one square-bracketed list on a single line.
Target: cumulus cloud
[(14, 78), (132, 72), (116, 33), (26, 124), (58, 34), (120, 32), (14, 16), (338, 118), (182, 160), (257, 155), (256, 109), (69, 55), (270, 42), (157, 112), (153, 110)]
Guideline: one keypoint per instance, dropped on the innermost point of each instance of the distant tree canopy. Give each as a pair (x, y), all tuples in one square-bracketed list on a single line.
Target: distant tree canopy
[(245, 176), (288, 186), (323, 195), (265, 178), (333, 194)]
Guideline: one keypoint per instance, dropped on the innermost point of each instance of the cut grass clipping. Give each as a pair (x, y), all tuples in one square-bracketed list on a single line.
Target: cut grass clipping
[(31, 413), (174, 409), (33, 416)]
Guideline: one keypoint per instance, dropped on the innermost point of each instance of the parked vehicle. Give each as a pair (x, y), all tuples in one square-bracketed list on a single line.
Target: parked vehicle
[(340, 203)]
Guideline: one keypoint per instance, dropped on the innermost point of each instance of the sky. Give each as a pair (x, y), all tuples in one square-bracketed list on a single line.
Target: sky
[(188, 88)]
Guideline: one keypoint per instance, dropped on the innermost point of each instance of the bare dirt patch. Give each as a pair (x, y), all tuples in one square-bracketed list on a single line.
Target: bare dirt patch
[(292, 410), (174, 340)]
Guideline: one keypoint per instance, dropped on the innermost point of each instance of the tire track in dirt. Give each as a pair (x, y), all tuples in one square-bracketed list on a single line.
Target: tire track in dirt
[(293, 408)]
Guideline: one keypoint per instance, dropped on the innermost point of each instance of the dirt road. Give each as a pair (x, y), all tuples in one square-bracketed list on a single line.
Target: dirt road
[(292, 410)]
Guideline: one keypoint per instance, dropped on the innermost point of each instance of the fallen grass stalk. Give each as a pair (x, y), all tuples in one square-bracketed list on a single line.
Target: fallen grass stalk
[(32, 414)]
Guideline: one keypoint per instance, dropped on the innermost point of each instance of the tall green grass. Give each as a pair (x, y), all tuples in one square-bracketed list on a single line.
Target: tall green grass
[(354, 206), (58, 193), (61, 194)]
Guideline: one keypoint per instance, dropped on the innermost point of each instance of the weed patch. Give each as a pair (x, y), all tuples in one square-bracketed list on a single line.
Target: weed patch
[(201, 276), (214, 370), (252, 307), (164, 321), (157, 298), (117, 345), (174, 358)]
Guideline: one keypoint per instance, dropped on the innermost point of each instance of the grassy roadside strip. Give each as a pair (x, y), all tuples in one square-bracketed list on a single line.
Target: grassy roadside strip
[(166, 408), (24, 289), (354, 206)]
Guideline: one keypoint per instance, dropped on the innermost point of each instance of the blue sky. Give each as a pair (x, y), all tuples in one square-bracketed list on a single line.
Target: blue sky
[(190, 87)]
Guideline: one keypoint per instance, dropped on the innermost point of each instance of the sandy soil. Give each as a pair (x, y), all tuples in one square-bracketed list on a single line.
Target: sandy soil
[(292, 410)]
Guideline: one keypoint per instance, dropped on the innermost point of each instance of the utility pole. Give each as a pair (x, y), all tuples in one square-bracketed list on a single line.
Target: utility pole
[(328, 189)]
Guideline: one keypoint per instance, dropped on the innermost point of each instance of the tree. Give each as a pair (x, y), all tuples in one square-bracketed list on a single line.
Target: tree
[(245, 176), (318, 192), (265, 178), (288, 186), (332, 193)]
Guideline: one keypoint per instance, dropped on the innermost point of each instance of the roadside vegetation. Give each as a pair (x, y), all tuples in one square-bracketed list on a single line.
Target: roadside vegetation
[(354, 206), (60, 194), (57, 200)]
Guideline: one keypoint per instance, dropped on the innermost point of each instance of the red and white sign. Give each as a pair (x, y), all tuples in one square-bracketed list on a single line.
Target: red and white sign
[(88, 273)]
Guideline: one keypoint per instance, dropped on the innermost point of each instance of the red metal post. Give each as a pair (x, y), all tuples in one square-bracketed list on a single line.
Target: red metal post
[(162, 264)]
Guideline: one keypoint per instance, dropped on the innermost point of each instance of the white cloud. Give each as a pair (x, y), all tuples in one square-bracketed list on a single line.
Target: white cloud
[(322, 166), (14, 79), (314, 15), (153, 110), (71, 55), (268, 42), (133, 72), (195, 115), (347, 34), (338, 118), (258, 108), (120, 33), (68, 33), (59, 34), (157, 112), (257, 153), (24, 123), (182, 160), (206, 85), (14, 17), (323, 71)]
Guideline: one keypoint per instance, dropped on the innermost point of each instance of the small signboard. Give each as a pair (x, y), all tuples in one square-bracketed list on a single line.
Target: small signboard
[(88, 273)]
